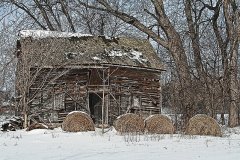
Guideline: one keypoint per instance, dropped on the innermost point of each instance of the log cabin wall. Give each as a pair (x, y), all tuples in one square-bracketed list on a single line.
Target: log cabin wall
[(135, 91), (126, 90)]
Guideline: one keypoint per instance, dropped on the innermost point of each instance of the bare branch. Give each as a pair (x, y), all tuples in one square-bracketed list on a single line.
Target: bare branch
[(66, 13), (130, 20), (25, 9)]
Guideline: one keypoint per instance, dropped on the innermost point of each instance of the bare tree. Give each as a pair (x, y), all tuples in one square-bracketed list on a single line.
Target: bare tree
[(171, 40), (197, 40), (227, 12)]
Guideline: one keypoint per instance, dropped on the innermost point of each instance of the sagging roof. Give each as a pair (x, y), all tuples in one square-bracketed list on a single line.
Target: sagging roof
[(52, 48)]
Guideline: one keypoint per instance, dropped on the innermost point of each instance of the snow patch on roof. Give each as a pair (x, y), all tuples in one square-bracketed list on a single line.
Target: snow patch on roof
[(96, 58), (108, 38), (39, 34), (114, 53), (137, 56), (132, 54)]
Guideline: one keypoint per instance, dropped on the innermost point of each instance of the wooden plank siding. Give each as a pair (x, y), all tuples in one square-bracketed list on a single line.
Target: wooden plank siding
[(125, 89)]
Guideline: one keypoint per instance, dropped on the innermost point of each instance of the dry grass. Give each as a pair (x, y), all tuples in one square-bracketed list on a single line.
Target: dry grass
[(129, 123), (159, 124), (203, 125), (78, 122)]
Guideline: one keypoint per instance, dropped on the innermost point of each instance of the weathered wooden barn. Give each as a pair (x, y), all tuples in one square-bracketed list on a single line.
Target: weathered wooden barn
[(61, 72)]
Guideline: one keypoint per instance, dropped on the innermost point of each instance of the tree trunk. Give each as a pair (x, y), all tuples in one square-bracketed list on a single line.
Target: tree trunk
[(232, 19), (180, 59), (25, 125), (233, 89)]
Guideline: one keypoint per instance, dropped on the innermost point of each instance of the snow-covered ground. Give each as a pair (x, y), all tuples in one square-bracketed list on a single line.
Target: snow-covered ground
[(59, 145)]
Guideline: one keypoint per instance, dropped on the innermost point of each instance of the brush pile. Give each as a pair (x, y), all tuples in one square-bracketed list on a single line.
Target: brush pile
[(203, 125), (37, 126), (159, 124), (78, 121), (129, 123), (12, 124)]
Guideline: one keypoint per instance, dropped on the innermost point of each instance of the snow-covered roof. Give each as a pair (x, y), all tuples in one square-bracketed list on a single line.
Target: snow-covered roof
[(75, 48), (39, 34)]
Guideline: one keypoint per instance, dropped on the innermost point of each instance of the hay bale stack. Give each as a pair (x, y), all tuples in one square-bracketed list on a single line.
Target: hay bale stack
[(203, 125), (159, 124), (129, 123), (78, 121)]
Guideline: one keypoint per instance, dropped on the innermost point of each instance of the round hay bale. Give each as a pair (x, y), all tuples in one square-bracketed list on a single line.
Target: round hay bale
[(78, 122), (129, 123), (159, 124), (203, 125)]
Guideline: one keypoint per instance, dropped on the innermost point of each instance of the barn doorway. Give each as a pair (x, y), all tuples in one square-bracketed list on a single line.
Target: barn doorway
[(95, 106)]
